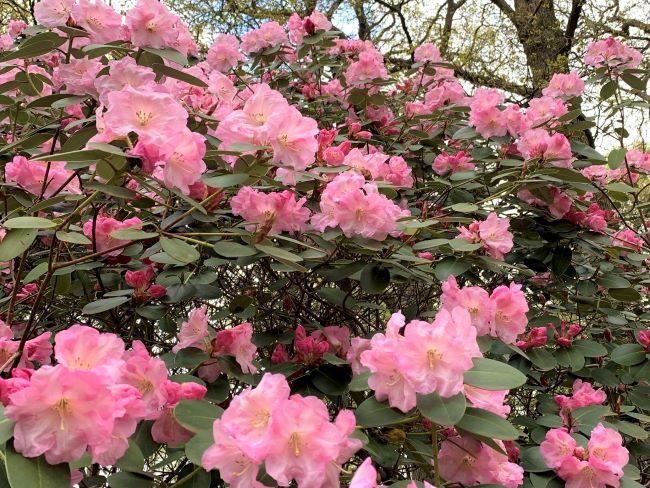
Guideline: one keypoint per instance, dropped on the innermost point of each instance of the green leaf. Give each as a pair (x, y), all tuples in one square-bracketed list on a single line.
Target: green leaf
[(375, 278), (129, 480), (360, 382), (608, 90), (624, 294), (542, 359), (230, 249), (371, 413), (133, 459), (489, 374), (442, 411), (103, 305), (73, 237), (226, 181), (450, 267), (36, 272), (168, 53), (464, 207), (616, 157), (161, 69), (132, 234), (633, 81), (34, 472), (197, 445), (590, 349), (279, 253), (628, 354), (179, 250), (15, 242), (29, 223), (6, 427), (487, 424), (197, 415)]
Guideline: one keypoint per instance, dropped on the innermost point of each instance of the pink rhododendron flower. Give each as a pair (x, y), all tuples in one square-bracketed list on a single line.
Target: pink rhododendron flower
[(613, 54), (555, 149), (474, 299), (628, 238), (427, 52), (236, 342), (101, 21), (194, 331), (270, 213), (247, 418), (353, 356), (166, 428), (86, 349), (122, 73), (544, 111), (181, 160), (445, 163), (60, 414), (53, 13), (269, 34), (147, 113), (357, 208), (551, 197), (492, 234), (293, 138), (370, 66), (149, 375), (79, 75), (600, 465), (490, 400), (510, 309), (151, 24), (365, 476), (564, 85), (99, 231), (30, 175), (224, 54)]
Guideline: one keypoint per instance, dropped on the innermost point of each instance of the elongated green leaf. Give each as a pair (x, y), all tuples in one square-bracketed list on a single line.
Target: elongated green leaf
[(628, 354), (103, 305), (489, 374), (231, 249), (179, 250), (279, 253), (15, 242), (197, 415), (29, 223), (487, 424), (34, 472), (442, 411), (371, 413)]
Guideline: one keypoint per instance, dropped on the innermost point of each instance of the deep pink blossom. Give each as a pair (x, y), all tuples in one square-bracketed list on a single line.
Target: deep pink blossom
[(30, 175)]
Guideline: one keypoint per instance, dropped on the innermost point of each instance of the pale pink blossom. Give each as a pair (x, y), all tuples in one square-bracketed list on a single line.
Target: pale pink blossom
[(629, 239), (474, 299), (490, 400), (613, 54), (495, 236), (293, 138), (427, 52), (365, 476), (445, 163), (166, 428), (99, 231), (194, 331), (224, 54), (148, 375), (83, 348), (101, 21), (510, 309), (370, 66), (269, 34), (236, 342), (555, 149), (151, 24), (270, 213), (53, 13), (30, 175), (564, 85), (181, 159)]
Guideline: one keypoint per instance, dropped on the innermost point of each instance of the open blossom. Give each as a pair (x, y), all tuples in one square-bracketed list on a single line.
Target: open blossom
[(544, 111), (53, 13), (247, 418), (427, 358), (485, 114), (510, 309), (628, 238), (79, 75), (467, 461), (583, 395), (474, 299), (181, 159), (553, 149), (357, 208), (60, 414), (101, 21), (122, 73), (147, 113), (270, 213), (613, 54), (564, 85), (365, 476), (369, 67), (194, 331), (148, 375), (492, 233), (99, 231), (151, 24), (293, 138), (166, 428), (236, 342), (600, 465), (300, 28), (268, 35), (447, 163), (490, 400), (30, 175), (551, 197), (224, 54)]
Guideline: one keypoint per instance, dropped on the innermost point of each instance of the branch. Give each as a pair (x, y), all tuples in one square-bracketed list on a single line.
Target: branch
[(572, 24), (507, 10)]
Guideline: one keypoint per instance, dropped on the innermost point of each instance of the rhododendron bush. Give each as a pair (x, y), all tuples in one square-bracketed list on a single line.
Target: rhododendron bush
[(274, 263)]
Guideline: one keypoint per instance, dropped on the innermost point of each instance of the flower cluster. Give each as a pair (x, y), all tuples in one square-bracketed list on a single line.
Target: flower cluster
[(599, 465), (291, 434)]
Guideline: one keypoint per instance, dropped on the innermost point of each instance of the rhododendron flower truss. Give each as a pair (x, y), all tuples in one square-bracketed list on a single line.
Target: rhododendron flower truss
[(282, 256)]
